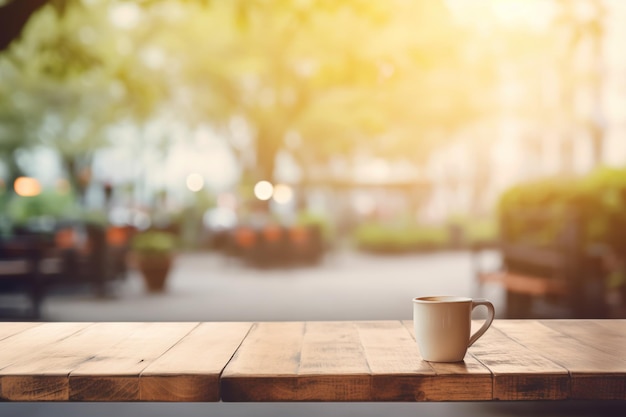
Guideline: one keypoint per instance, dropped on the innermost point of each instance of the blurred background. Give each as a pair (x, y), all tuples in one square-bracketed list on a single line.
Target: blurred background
[(168, 160), (272, 134)]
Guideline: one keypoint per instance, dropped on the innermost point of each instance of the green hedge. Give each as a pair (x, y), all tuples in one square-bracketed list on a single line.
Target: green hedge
[(317, 220), (46, 210), (22, 209), (598, 200), (406, 236), (154, 243), (400, 238), (476, 231)]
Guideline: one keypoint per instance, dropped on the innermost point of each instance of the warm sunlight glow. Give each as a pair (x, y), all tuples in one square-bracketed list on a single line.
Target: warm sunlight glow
[(532, 13), (27, 187), (283, 193), (125, 15), (263, 190), (195, 182)]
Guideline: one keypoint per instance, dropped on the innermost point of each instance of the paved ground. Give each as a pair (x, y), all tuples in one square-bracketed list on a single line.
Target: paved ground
[(347, 286)]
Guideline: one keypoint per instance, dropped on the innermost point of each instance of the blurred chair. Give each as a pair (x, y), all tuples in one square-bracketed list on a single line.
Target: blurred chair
[(118, 240), (20, 257)]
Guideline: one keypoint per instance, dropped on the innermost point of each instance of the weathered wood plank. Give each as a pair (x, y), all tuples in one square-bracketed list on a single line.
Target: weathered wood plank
[(313, 361), (112, 374), (26, 344), (34, 338), (613, 325), (345, 361), (519, 373), (31, 377), (595, 374), (265, 367), (469, 380), (9, 329), (333, 366), (190, 371), (606, 335)]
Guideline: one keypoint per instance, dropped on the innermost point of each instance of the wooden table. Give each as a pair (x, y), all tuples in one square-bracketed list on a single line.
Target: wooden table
[(307, 361)]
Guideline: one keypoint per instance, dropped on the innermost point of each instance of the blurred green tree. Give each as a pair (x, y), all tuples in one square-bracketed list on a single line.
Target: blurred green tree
[(312, 78), (65, 83), (317, 79)]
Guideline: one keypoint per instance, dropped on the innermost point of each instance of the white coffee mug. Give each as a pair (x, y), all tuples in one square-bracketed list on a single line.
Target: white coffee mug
[(443, 324)]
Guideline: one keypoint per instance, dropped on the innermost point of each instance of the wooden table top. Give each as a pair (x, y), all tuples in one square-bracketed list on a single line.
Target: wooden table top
[(307, 361)]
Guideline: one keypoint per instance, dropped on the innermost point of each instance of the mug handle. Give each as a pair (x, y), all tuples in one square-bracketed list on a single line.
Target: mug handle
[(491, 313)]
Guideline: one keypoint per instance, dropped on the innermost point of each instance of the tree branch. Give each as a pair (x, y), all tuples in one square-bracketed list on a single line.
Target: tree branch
[(13, 18)]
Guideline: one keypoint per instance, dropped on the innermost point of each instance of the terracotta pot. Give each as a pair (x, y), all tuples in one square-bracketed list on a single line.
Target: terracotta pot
[(155, 271)]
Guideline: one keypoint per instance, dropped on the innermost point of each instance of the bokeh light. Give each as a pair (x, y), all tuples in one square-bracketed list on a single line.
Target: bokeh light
[(125, 15), (195, 182), (27, 187), (283, 193), (219, 218), (263, 190)]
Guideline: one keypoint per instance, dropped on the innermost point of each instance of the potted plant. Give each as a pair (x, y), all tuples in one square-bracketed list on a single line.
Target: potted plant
[(154, 256)]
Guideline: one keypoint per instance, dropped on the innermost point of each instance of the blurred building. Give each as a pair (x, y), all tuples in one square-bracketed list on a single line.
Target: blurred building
[(556, 112)]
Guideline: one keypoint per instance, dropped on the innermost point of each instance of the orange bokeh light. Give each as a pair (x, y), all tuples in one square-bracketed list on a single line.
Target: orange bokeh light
[(27, 187)]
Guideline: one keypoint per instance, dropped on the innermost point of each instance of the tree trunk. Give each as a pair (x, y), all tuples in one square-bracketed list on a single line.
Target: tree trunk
[(77, 172), (266, 150)]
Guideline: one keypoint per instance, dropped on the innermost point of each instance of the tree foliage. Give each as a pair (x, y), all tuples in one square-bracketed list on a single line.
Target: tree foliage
[(356, 76), (375, 77)]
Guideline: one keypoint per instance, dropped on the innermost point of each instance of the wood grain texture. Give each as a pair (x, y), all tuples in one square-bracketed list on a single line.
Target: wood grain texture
[(344, 361), (313, 361), (519, 373), (266, 365), (112, 374), (307, 361), (27, 345), (191, 369), (331, 349), (12, 328), (45, 373), (468, 380), (591, 354), (607, 336)]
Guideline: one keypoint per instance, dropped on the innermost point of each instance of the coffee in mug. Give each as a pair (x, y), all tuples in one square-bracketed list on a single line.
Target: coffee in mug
[(443, 325)]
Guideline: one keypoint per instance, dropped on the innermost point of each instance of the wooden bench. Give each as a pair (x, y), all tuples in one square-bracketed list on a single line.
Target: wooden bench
[(563, 272), (34, 265), (515, 360), (20, 272)]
